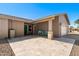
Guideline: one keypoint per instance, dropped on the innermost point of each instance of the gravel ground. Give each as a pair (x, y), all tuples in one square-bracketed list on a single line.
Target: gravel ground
[(75, 49), (5, 49)]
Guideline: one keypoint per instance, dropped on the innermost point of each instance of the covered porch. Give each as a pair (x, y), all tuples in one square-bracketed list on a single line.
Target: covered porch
[(48, 27)]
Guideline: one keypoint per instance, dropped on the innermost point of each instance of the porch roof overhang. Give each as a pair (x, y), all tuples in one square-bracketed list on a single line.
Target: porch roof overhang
[(67, 18), (9, 17), (51, 17), (44, 19)]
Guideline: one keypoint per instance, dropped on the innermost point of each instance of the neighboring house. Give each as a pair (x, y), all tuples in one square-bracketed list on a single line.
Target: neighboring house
[(51, 26), (73, 29)]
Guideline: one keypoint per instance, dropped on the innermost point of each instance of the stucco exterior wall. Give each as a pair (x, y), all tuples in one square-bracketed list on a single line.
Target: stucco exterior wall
[(56, 27), (18, 26), (3, 28), (64, 25), (42, 26)]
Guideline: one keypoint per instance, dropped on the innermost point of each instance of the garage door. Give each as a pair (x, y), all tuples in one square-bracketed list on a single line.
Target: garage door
[(63, 30), (3, 28)]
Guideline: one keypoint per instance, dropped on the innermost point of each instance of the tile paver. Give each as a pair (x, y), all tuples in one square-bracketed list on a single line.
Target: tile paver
[(39, 46)]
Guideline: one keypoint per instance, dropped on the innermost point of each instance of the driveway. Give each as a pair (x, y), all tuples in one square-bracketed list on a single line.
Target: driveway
[(75, 50), (40, 46)]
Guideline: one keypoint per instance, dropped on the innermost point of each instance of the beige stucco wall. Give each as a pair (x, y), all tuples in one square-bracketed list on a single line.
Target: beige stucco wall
[(56, 27), (64, 25), (42, 26), (18, 26), (3, 28)]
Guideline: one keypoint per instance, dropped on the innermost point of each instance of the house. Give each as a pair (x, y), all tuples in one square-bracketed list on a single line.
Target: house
[(72, 29), (12, 23), (50, 26)]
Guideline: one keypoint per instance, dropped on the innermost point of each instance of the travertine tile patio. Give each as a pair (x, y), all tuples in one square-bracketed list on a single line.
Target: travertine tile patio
[(39, 46)]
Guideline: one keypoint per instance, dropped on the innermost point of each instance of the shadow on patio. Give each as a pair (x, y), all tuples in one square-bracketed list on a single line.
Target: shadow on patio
[(72, 36), (29, 37)]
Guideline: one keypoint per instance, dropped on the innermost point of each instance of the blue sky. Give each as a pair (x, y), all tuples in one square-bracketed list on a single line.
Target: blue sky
[(35, 11)]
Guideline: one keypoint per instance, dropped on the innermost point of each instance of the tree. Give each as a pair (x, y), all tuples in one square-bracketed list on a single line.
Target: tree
[(77, 22)]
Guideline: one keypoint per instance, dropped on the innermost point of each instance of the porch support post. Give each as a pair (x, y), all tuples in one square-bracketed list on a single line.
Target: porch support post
[(33, 29), (50, 30)]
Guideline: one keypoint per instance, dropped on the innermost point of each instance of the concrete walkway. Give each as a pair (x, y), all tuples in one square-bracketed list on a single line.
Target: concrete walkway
[(39, 46)]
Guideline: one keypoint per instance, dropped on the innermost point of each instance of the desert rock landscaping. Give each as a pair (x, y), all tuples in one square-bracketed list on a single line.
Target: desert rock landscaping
[(5, 49)]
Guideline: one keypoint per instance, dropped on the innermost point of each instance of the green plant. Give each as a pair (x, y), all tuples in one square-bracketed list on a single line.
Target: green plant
[(77, 23)]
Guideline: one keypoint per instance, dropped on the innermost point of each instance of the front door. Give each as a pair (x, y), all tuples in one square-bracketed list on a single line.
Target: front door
[(28, 29)]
